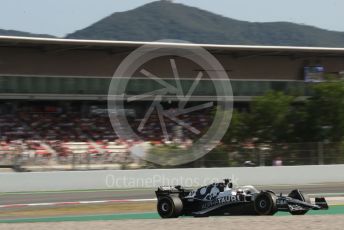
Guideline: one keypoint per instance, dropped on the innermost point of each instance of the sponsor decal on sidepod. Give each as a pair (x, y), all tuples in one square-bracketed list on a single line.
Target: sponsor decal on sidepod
[(223, 200)]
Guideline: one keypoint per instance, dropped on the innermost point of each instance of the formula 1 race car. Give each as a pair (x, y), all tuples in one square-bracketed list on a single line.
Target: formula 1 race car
[(222, 199)]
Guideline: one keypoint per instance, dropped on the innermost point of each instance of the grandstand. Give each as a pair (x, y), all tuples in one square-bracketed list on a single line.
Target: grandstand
[(53, 94)]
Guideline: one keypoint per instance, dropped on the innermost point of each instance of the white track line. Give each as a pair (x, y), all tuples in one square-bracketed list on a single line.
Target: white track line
[(75, 202)]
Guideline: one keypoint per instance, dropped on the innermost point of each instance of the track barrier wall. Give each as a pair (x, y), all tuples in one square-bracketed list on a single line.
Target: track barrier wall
[(151, 178)]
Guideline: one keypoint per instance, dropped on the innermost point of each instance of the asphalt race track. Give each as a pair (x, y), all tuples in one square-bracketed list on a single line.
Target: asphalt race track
[(333, 189), (72, 215), (319, 222)]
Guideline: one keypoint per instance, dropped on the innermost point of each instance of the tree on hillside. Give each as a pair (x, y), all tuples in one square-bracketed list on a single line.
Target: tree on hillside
[(292, 127), (269, 117), (239, 128), (326, 111)]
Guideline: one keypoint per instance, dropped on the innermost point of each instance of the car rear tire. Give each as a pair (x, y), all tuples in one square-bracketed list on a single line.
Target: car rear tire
[(296, 194), (170, 207), (265, 203)]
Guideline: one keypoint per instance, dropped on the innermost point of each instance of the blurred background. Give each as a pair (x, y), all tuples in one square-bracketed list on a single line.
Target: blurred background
[(288, 93)]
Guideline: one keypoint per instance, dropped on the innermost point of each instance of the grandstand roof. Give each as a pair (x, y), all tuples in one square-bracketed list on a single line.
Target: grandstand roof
[(120, 46)]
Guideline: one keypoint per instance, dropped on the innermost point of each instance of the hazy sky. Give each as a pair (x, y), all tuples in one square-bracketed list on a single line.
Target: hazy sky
[(60, 17)]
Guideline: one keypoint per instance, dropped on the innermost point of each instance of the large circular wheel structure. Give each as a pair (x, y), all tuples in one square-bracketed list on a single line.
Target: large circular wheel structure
[(265, 203), (170, 207)]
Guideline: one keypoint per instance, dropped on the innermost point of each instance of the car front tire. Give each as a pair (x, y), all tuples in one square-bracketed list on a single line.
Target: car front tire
[(265, 203)]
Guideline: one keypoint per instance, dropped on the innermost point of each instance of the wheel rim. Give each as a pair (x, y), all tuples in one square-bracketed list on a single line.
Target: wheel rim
[(262, 204), (165, 207)]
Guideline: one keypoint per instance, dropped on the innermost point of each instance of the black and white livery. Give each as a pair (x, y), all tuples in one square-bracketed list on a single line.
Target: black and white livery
[(222, 199)]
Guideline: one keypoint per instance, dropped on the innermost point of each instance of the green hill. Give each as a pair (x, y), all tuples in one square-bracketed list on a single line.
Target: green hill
[(165, 20), (22, 34)]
